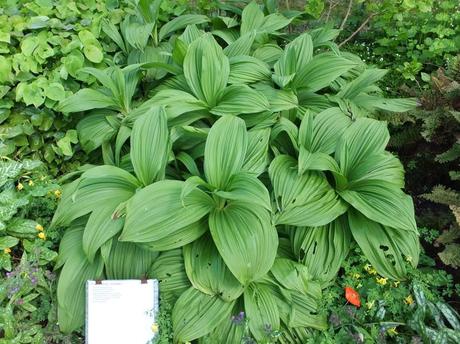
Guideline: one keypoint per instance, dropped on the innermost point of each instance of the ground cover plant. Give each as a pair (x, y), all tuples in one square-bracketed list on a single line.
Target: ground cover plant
[(211, 148)]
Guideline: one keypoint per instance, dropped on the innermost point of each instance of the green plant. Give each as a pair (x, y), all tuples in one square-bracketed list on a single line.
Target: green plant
[(246, 172), (28, 200)]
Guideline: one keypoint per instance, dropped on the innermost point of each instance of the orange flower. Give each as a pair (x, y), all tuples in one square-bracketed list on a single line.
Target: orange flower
[(352, 296)]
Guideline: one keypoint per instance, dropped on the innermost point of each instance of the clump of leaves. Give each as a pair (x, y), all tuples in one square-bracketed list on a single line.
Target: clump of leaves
[(240, 182)]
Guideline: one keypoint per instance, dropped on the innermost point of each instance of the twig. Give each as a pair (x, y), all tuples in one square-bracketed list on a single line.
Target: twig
[(332, 5), (350, 4), (358, 29)]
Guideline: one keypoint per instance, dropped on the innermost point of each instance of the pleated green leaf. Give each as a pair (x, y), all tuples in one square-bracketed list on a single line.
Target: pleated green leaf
[(302, 200), (388, 249), (368, 78), (181, 22), (256, 159), (168, 268), (229, 330), (102, 225), (247, 70), (196, 314), (225, 150), (206, 69), (179, 237), (382, 166), (245, 187), (269, 53), (207, 271), (128, 261), (372, 102), (359, 141), (322, 249), (95, 129), (246, 239), (291, 275), (240, 99), (157, 211), (279, 100), (321, 71), (252, 18), (296, 54), (316, 161), (72, 282), (150, 145), (261, 310), (96, 186), (383, 203), (242, 46), (86, 99), (320, 132)]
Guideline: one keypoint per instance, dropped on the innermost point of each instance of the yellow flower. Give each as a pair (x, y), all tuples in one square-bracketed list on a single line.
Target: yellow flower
[(57, 193), (372, 271), (7, 250), (409, 300), (154, 327), (370, 304), (367, 267), (356, 275), (392, 331), (31, 182), (42, 178), (381, 280), (20, 186), (39, 228), (396, 284), (409, 259), (42, 236)]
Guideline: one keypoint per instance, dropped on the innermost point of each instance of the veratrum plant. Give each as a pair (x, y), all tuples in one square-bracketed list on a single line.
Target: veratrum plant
[(247, 174)]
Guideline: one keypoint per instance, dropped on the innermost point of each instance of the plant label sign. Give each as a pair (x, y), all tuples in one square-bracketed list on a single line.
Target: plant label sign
[(121, 311)]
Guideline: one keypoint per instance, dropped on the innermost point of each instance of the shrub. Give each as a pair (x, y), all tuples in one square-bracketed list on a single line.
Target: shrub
[(238, 174)]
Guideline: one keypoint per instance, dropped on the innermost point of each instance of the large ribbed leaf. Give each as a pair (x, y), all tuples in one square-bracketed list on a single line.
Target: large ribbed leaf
[(150, 145), (245, 187), (168, 268), (240, 47), (240, 99), (225, 150), (358, 85), (256, 159), (207, 271), (128, 261), (158, 210), (180, 23), (247, 70), (360, 140), (291, 275), (322, 249), (388, 249), (102, 225), (382, 166), (296, 296), (95, 187), (382, 202), (229, 330), (262, 311), (372, 102), (321, 71), (296, 55), (206, 69), (320, 132), (179, 237), (95, 129), (195, 314), (251, 18), (71, 285), (86, 99), (246, 239), (305, 200)]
